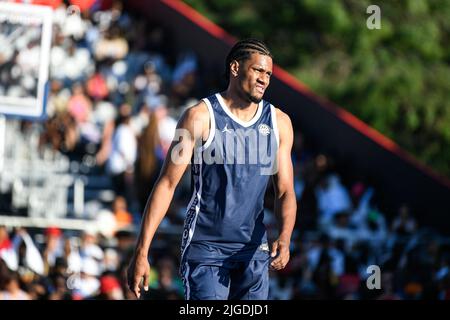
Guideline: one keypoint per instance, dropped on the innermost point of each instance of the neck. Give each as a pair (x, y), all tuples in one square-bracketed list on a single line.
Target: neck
[(238, 105), (237, 100)]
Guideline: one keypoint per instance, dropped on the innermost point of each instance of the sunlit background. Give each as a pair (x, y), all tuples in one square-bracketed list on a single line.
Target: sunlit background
[(371, 114)]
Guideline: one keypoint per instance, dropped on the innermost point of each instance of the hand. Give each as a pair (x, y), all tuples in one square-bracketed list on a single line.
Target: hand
[(21, 231), (139, 268), (280, 251)]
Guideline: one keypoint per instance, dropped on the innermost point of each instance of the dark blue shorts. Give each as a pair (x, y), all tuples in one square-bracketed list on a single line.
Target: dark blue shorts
[(226, 280)]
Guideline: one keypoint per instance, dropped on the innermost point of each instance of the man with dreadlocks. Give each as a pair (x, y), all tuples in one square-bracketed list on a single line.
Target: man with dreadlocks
[(235, 141)]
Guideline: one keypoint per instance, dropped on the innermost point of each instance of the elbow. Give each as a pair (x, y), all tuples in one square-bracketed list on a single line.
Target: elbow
[(286, 193), (288, 198), (167, 183)]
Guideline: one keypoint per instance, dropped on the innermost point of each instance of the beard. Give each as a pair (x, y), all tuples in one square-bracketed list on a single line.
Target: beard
[(248, 95), (252, 98)]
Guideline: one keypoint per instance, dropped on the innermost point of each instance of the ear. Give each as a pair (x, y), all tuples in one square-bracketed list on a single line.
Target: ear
[(234, 68)]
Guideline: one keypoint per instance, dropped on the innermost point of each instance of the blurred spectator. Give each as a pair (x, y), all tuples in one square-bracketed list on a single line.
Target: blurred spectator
[(281, 288), (12, 290), (72, 256), (87, 284), (28, 254), (74, 26), (374, 231), (104, 116), (332, 197), (79, 105), (404, 223), (324, 260), (60, 291), (166, 124), (28, 56), (109, 289), (89, 248), (184, 75), (53, 247), (120, 210), (60, 268), (148, 164), (150, 82), (112, 45), (7, 252), (70, 63), (111, 260), (169, 286), (387, 285), (58, 98), (123, 155), (340, 229), (97, 87), (60, 133)]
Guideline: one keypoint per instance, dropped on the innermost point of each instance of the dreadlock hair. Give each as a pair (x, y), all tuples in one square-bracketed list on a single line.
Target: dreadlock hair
[(242, 51)]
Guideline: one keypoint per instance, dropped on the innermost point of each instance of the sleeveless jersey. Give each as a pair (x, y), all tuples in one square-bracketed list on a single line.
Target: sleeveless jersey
[(230, 173)]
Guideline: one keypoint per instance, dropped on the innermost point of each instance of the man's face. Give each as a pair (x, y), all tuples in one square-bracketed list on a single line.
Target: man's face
[(254, 76)]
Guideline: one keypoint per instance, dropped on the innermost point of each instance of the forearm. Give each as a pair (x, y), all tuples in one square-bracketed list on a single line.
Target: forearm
[(156, 208), (286, 211)]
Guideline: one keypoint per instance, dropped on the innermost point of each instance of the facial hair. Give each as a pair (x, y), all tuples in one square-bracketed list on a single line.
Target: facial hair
[(248, 96), (252, 98)]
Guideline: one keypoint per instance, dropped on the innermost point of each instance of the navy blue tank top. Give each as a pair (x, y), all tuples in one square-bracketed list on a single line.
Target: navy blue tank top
[(230, 173)]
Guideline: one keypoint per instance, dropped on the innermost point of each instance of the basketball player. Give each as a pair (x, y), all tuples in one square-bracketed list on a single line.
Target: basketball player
[(224, 251)]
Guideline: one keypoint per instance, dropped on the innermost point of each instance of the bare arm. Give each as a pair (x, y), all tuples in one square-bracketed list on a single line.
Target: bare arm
[(192, 126), (285, 201)]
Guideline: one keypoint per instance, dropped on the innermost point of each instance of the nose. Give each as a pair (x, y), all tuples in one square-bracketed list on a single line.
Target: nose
[(262, 80)]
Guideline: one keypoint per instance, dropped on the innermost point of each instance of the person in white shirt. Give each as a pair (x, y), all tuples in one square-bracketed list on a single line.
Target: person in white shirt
[(33, 258), (123, 155), (332, 197), (12, 289)]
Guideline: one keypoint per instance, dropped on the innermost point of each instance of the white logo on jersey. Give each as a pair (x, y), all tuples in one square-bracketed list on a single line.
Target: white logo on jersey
[(225, 129), (264, 247), (264, 129)]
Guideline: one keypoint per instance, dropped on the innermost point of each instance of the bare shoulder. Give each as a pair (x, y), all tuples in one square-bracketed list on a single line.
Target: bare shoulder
[(285, 130), (196, 120), (196, 113), (283, 120)]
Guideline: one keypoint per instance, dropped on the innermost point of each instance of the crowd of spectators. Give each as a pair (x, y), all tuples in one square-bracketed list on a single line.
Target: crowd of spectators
[(116, 95), (19, 60)]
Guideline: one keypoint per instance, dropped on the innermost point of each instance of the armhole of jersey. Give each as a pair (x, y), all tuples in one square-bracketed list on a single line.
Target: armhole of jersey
[(212, 127), (275, 124)]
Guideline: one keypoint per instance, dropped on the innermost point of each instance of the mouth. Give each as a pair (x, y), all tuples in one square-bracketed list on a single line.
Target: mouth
[(260, 89)]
